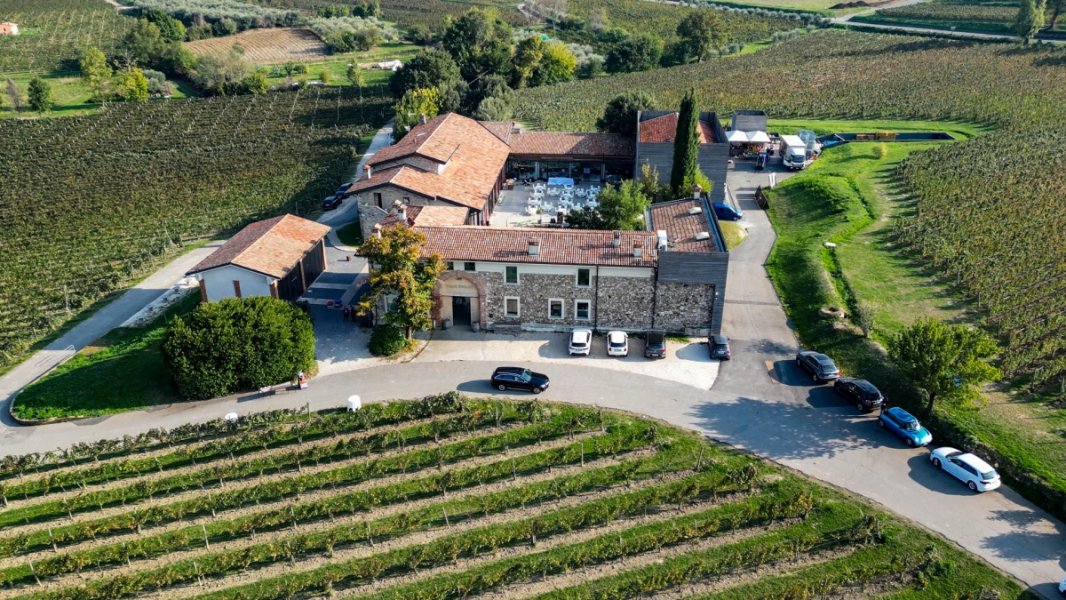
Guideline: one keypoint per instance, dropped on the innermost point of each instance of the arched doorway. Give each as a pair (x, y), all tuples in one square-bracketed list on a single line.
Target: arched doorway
[(459, 298)]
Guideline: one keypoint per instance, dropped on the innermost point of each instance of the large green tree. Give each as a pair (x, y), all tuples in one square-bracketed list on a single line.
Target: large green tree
[(686, 146), (944, 361), (95, 72), (480, 42), (39, 95), (432, 69), (527, 56), (401, 277), (622, 206), (556, 65), (132, 85), (238, 344), (620, 115), (412, 107), (1030, 19), (700, 32), (634, 54)]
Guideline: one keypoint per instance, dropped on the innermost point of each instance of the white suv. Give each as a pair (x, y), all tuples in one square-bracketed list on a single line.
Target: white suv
[(580, 341)]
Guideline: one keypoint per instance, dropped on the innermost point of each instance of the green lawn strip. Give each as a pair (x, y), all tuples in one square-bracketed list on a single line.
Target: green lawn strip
[(782, 500), (827, 126), (337, 65), (121, 371), (486, 540), (734, 234), (351, 234), (675, 458), (405, 463), (276, 434), (290, 547), (936, 569)]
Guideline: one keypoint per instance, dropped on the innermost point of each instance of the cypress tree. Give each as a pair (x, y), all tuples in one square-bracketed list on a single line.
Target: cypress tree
[(686, 146)]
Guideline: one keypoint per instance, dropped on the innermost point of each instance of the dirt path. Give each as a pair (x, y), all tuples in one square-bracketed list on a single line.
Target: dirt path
[(119, 7), (391, 509), (167, 500)]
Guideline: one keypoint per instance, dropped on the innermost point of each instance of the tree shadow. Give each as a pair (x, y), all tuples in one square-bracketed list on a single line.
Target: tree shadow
[(1032, 536)]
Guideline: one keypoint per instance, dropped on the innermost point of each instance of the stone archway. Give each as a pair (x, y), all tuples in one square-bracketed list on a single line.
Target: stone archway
[(452, 284)]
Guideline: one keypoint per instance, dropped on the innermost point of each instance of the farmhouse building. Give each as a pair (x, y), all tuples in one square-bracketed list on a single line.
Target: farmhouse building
[(8, 28), (655, 146), (511, 278), (278, 257)]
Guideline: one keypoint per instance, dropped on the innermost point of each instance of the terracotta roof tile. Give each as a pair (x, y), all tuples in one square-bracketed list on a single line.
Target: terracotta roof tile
[(474, 156), (681, 227), (430, 216), (661, 130), (271, 246), (560, 143), (557, 246)]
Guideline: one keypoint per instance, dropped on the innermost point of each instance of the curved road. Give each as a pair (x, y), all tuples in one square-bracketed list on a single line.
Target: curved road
[(760, 401)]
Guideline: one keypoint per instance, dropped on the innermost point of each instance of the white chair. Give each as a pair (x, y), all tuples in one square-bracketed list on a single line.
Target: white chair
[(547, 208), (531, 210), (580, 192), (553, 191)]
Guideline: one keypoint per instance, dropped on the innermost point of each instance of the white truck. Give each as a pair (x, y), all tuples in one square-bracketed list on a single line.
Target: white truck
[(793, 152)]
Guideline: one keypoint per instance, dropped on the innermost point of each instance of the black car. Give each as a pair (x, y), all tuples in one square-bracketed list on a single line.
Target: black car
[(518, 378), (342, 191), (720, 347), (331, 202), (861, 393), (655, 344), (821, 367)]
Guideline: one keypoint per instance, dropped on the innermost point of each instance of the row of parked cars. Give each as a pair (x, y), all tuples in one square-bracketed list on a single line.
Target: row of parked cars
[(977, 474), (334, 200), (654, 344)]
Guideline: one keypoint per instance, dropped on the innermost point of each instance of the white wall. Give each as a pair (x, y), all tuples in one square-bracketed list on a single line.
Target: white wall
[(219, 282)]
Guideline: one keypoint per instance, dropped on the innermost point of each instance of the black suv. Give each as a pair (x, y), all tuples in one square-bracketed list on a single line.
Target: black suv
[(655, 344), (821, 367), (720, 347), (861, 393), (519, 378)]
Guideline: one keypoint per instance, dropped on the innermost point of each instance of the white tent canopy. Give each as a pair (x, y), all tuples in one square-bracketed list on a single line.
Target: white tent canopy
[(758, 137), (736, 136)]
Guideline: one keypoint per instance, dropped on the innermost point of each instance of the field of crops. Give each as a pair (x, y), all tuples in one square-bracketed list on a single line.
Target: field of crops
[(266, 46), (406, 13), (660, 20), (53, 33), (983, 16), (88, 203), (449, 498)]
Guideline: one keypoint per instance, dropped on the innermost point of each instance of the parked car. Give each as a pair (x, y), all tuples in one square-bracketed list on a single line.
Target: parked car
[(719, 345), (821, 367), (617, 343), (580, 341), (904, 426), (331, 202), (343, 189), (655, 344), (978, 475), (518, 378), (862, 394), (727, 213)]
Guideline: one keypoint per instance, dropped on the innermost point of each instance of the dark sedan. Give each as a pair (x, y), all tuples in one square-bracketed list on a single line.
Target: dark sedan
[(331, 202), (720, 347), (518, 378), (860, 393)]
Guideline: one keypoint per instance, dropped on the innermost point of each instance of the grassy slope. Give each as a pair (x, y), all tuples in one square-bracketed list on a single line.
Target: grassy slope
[(123, 370), (337, 65), (898, 290)]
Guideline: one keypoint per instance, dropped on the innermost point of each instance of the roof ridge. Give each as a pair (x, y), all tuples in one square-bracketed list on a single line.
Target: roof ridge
[(277, 221)]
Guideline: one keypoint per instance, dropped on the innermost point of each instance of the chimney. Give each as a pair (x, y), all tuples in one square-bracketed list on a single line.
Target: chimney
[(534, 247), (369, 171), (638, 250), (616, 241)]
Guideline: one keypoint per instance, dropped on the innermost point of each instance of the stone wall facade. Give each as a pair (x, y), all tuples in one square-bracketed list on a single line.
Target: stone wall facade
[(684, 307)]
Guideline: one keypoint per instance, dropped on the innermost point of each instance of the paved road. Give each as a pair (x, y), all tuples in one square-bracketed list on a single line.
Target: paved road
[(926, 31)]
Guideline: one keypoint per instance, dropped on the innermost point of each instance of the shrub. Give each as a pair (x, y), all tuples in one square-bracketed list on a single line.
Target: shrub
[(231, 345), (387, 340)]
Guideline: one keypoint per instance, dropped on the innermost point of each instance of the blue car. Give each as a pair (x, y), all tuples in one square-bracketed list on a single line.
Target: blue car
[(904, 426), (727, 213)]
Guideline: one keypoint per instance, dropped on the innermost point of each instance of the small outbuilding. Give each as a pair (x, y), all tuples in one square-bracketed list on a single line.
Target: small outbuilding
[(279, 257), (9, 28)]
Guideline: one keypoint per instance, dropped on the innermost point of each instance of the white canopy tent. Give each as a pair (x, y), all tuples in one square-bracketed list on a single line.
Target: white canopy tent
[(736, 136), (758, 137)]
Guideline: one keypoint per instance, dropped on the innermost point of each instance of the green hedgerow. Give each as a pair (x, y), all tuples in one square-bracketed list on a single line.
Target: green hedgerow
[(387, 340)]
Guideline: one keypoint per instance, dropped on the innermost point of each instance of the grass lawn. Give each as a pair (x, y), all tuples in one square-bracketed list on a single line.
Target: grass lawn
[(121, 371), (70, 94), (867, 268), (337, 65), (734, 234), (351, 234)]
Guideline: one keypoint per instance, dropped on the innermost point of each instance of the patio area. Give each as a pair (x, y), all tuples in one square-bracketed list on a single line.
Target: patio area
[(540, 202)]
